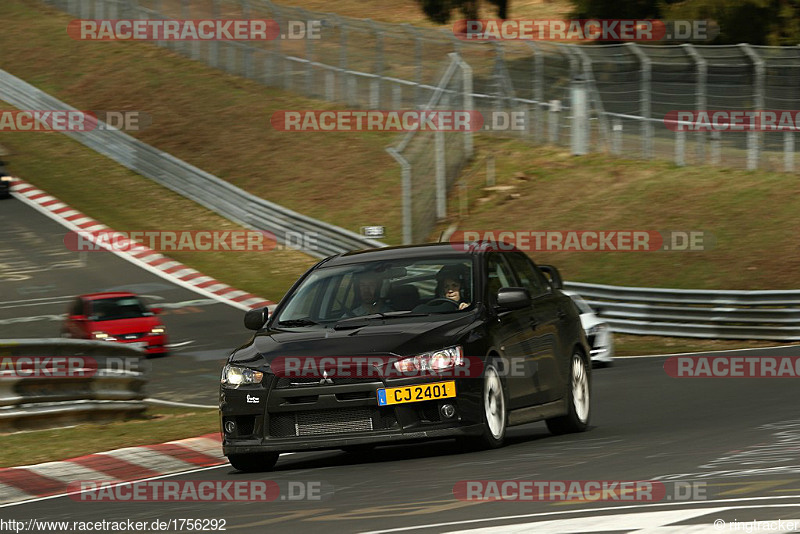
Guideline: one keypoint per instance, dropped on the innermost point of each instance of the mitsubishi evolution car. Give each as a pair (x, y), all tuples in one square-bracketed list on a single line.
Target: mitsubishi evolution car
[(405, 344)]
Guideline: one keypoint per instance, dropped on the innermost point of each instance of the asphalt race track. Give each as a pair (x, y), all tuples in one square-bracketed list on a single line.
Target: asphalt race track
[(39, 276), (734, 442)]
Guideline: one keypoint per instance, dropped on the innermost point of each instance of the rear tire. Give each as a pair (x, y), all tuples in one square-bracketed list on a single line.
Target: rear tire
[(254, 463), (578, 400)]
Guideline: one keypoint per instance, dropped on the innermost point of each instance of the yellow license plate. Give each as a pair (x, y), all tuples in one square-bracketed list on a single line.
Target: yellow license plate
[(422, 392)]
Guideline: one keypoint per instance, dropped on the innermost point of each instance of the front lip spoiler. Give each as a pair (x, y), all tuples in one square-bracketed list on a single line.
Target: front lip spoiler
[(248, 446)]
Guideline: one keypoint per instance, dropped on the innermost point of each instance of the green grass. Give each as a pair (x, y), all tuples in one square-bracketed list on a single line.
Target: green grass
[(157, 425)]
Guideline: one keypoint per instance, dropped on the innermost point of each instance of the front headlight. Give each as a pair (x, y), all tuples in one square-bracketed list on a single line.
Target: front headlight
[(102, 336), (158, 329), (234, 376), (438, 360), (596, 329), (7, 178)]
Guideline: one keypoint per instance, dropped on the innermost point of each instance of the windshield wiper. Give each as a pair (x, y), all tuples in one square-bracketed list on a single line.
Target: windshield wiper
[(297, 322), (355, 322)]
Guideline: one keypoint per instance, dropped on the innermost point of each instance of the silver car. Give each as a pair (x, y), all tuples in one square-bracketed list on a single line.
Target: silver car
[(598, 332)]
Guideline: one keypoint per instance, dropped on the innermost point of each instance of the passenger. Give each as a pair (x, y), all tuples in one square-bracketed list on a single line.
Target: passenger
[(452, 283)]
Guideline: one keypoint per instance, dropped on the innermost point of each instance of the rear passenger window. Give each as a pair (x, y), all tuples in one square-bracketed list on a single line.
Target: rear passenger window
[(527, 274)]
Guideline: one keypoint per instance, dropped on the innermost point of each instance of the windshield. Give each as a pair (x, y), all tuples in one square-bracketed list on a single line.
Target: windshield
[(380, 289), (117, 308)]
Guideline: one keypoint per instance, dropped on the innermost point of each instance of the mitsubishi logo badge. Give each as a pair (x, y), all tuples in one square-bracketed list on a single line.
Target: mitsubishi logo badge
[(325, 379)]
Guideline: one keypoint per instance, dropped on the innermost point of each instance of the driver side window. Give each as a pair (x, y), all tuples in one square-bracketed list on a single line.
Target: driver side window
[(500, 276)]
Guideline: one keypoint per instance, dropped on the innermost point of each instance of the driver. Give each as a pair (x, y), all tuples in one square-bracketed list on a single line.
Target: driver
[(452, 281), (368, 286)]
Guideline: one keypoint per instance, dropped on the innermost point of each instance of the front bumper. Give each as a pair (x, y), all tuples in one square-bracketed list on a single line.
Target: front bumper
[(280, 417)]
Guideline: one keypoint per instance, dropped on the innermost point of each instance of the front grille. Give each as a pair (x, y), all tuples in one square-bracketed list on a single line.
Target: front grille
[(333, 422), (327, 422), (430, 411), (290, 382)]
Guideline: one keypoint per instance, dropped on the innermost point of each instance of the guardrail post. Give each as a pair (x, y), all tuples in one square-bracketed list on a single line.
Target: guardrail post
[(579, 130), (700, 95), (644, 90), (754, 137)]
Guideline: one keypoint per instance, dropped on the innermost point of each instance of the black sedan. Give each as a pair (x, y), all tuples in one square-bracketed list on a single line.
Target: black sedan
[(404, 344)]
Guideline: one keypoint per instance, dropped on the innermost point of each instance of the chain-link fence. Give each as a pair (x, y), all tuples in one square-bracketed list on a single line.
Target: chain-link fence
[(629, 88)]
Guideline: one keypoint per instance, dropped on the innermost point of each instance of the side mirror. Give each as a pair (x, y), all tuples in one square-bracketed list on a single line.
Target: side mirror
[(553, 276), (156, 311), (255, 319), (513, 298)]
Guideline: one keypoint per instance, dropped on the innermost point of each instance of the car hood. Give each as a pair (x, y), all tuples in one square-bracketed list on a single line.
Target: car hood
[(400, 337), (125, 326)]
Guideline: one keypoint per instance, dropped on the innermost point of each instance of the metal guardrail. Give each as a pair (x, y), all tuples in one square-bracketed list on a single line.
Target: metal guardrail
[(47, 383), (710, 314), (191, 182)]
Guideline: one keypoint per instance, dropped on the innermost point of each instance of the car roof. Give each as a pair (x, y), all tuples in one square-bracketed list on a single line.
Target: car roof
[(106, 295), (427, 250)]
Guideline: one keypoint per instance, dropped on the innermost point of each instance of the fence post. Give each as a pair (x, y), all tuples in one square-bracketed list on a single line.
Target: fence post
[(376, 83), (418, 97), (213, 45), (616, 136), (406, 194), (491, 179), (646, 74), (700, 96), (552, 121), (579, 129), (788, 151), (538, 90), (441, 175), (680, 148), (754, 137), (716, 152), (469, 105)]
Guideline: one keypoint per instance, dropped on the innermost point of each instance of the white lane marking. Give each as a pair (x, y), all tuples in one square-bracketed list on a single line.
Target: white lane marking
[(597, 523), (175, 403), (706, 352), (604, 509)]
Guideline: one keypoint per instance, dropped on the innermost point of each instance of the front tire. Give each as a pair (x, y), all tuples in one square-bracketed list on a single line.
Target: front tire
[(254, 463), (578, 400), (495, 411)]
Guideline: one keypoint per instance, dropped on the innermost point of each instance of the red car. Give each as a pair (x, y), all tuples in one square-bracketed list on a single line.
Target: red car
[(116, 316)]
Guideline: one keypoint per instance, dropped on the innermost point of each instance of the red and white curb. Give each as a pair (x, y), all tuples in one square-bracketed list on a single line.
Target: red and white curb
[(144, 257), (121, 465)]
